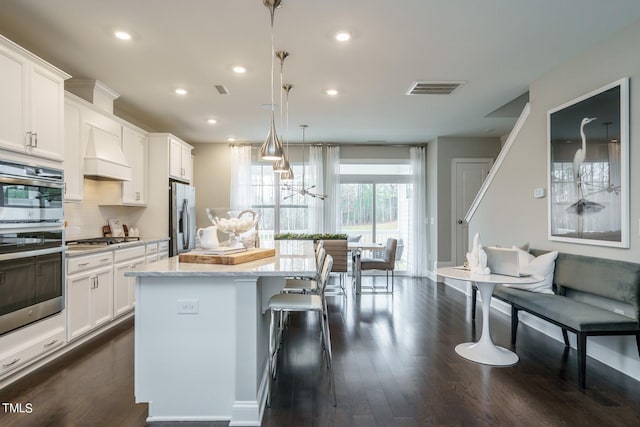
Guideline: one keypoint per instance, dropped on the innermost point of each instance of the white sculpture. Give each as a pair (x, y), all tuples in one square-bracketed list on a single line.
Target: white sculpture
[(477, 258)]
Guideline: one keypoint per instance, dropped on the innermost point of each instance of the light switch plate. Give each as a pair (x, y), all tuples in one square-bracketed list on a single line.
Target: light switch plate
[(187, 306)]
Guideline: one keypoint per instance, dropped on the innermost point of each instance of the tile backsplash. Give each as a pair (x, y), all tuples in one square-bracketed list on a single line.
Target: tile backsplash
[(86, 219)]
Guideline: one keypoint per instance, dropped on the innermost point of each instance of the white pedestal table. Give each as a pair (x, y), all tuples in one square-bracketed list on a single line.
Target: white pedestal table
[(484, 350)]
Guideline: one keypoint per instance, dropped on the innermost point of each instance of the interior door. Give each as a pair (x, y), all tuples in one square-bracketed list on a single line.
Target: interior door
[(468, 175)]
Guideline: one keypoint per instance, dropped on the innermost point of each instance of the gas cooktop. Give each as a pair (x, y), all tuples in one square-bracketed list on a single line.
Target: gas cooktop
[(98, 241)]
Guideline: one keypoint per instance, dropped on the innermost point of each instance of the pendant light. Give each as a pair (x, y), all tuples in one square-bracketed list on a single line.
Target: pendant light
[(282, 165), (287, 175), (272, 147)]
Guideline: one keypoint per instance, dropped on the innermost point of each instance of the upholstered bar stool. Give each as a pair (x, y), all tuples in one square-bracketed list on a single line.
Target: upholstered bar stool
[(296, 302)]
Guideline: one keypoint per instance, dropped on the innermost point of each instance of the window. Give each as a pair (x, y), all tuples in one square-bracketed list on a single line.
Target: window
[(282, 209)]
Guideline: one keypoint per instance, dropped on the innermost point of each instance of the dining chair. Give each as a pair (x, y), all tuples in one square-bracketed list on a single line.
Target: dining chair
[(296, 302), (387, 263)]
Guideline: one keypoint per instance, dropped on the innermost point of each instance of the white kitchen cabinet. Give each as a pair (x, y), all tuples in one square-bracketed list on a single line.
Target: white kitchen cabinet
[(30, 349), (134, 145), (163, 250), (180, 161), (31, 105), (124, 287), (73, 153), (89, 293)]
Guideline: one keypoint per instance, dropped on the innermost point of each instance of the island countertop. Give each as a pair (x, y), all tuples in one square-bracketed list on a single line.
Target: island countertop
[(293, 257)]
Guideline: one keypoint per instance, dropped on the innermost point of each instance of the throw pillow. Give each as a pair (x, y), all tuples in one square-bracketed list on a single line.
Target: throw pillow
[(543, 265)]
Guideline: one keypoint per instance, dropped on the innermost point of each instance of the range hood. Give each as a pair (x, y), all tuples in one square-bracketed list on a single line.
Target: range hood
[(104, 159)]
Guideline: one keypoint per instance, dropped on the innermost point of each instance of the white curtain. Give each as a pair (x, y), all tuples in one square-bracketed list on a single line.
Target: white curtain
[(315, 176), (240, 177), (332, 208), (417, 264)]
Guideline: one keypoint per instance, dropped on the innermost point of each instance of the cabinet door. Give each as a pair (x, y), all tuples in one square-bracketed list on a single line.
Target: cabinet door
[(102, 297), (13, 100), (46, 114), (135, 150), (123, 287), (73, 171), (175, 158), (79, 293), (187, 163)]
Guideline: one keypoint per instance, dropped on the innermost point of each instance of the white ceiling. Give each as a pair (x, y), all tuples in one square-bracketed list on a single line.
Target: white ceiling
[(498, 47)]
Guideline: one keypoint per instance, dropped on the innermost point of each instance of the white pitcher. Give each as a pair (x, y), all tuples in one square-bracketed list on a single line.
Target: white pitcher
[(208, 237)]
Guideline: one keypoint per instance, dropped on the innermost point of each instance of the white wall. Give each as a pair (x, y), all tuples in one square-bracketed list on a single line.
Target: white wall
[(510, 215), (86, 219)]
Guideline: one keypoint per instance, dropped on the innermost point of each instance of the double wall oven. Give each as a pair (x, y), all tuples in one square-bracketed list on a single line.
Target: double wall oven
[(31, 244)]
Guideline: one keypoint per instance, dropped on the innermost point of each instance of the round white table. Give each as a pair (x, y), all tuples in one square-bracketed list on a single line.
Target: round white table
[(485, 351)]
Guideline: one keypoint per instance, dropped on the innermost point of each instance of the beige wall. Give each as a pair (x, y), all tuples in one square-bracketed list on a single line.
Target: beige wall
[(525, 166), (211, 177), (449, 148), (509, 214)]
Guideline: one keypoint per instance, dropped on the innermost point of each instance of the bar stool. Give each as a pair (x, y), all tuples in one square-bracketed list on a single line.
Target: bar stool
[(304, 286), (297, 302)]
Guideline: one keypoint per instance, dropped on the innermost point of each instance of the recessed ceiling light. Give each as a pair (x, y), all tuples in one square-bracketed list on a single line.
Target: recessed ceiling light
[(181, 91), (231, 139), (212, 121), (122, 35), (239, 69), (343, 36), (332, 92)]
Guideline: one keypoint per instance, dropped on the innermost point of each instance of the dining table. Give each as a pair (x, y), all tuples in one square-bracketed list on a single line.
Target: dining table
[(484, 351), (356, 249)]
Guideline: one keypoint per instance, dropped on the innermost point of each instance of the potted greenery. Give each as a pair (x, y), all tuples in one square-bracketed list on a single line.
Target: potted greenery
[(334, 243)]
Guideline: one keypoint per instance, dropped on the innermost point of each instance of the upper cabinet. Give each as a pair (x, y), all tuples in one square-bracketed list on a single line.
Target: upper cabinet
[(73, 153), (31, 105), (135, 147), (180, 161)]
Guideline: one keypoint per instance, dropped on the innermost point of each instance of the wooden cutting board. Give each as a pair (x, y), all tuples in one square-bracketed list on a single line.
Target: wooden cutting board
[(231, 259)]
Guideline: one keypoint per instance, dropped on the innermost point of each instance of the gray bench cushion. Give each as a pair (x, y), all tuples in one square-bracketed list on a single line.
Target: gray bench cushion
[(567, 311)]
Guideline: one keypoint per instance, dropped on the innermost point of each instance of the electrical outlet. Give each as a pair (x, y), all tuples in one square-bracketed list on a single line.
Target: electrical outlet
[(538, 193), (187, 306)]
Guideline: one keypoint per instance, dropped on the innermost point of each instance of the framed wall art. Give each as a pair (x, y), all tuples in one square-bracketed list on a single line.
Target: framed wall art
[(588, 168)]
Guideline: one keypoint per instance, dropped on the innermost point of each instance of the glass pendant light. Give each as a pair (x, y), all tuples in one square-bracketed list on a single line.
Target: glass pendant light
[(272, 147)]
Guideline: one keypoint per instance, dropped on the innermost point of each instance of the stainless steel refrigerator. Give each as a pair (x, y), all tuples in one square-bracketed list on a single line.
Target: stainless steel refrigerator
[(182, 220)]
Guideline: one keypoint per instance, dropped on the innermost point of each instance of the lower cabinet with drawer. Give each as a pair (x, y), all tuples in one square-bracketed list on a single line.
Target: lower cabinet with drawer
[(124, 287), (31, 349), (89, 293)]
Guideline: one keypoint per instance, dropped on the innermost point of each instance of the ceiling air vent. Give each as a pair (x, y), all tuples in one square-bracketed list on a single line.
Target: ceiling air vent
[(433, 88), (222, 90)]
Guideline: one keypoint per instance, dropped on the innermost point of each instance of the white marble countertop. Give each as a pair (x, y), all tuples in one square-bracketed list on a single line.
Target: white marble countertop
[(84, 250), (293, 258)]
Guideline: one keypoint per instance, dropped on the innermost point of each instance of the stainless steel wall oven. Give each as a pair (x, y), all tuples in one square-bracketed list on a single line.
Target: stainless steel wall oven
[(31, 244)]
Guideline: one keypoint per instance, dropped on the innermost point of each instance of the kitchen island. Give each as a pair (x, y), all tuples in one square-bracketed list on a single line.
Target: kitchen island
[(201, 334)]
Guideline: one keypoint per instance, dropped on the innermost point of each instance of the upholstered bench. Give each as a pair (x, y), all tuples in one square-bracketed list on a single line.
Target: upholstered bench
[(615, 281)]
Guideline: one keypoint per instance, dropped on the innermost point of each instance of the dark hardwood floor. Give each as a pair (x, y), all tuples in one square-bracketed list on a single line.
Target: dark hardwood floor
[(394, 365)]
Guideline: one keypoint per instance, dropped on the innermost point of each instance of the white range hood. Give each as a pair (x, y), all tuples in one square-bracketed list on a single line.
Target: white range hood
[(104, 158)]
